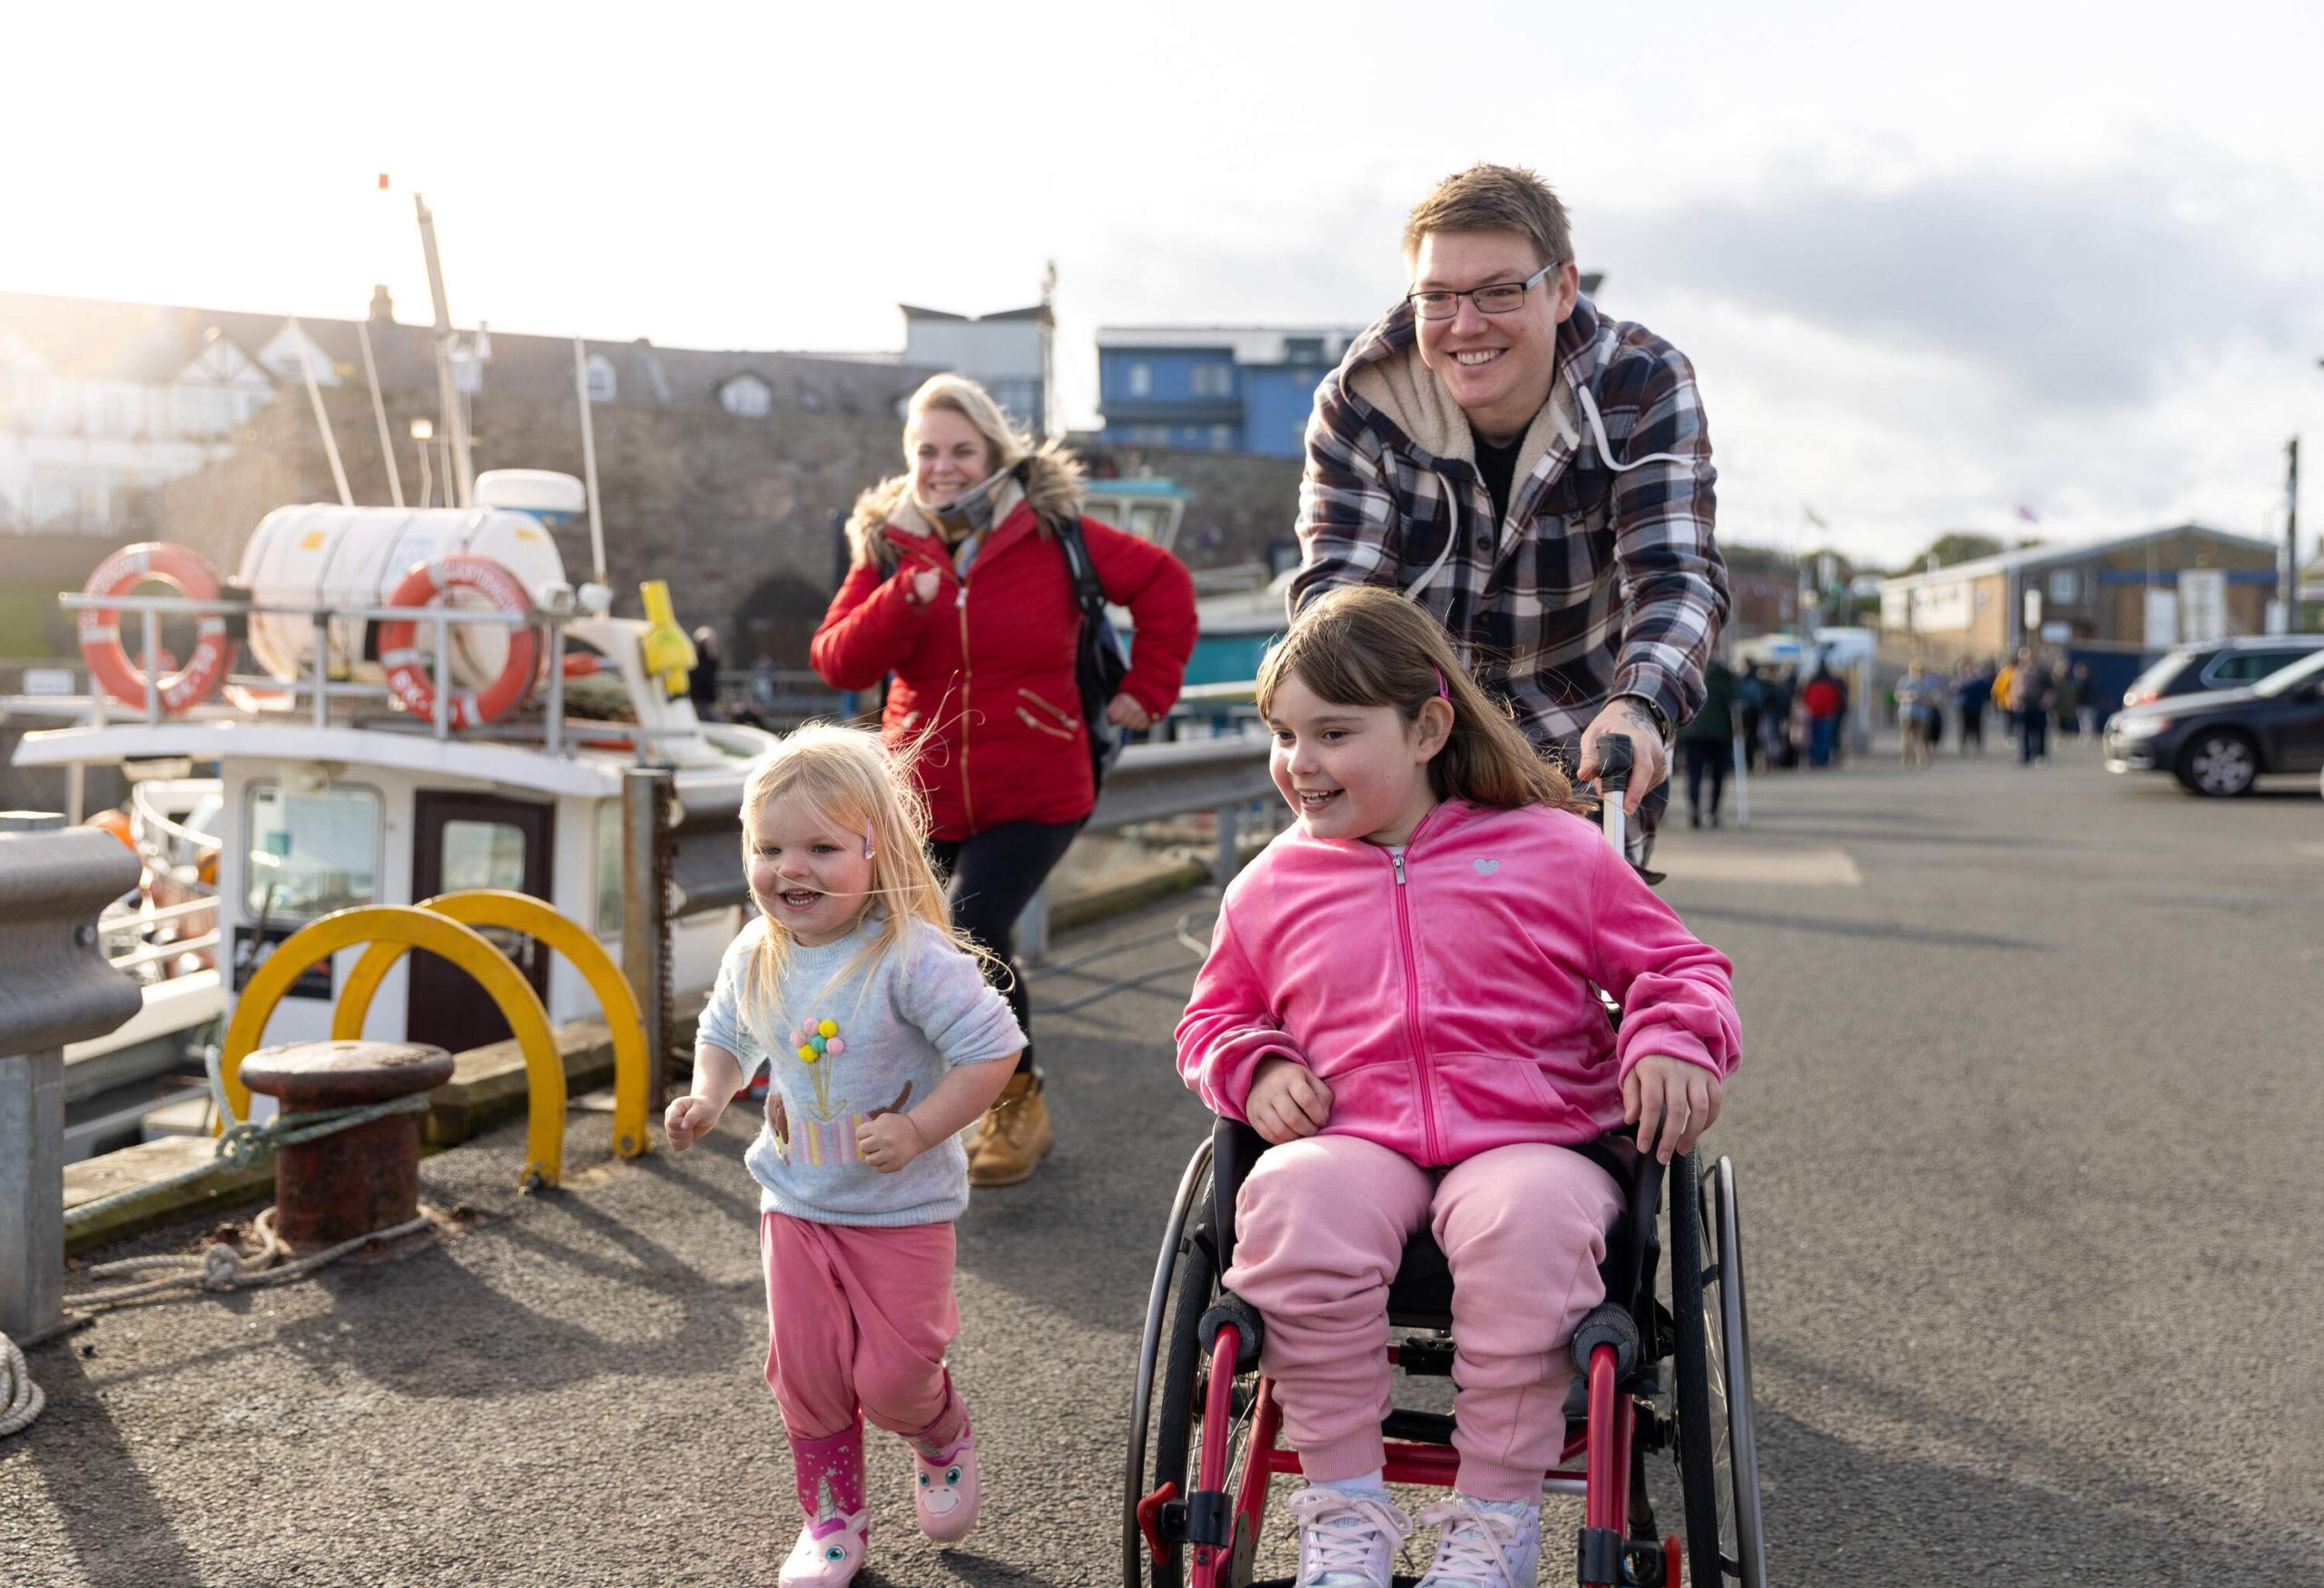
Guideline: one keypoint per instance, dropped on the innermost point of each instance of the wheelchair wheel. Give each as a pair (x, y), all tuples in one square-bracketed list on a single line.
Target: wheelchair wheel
[(1163, 1356), (1718, 1468), (1174, 1375)]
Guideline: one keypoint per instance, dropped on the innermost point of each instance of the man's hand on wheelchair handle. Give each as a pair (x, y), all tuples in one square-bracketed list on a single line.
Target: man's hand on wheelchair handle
[(1287, 1100), (1650, 760), (1671, 1100)]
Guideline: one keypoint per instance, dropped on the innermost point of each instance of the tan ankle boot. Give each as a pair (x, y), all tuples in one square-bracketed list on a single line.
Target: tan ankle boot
[(1013, 1137)]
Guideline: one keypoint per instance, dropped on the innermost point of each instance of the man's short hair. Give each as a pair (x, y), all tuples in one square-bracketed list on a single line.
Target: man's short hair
[(1493, 198)]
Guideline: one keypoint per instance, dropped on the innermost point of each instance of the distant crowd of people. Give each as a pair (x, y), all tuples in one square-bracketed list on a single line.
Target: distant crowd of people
[(2032, 691), (1781, 720), (1773, 718)]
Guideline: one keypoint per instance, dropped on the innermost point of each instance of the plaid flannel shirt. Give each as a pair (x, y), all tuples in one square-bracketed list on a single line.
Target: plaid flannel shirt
[(1598, 583)]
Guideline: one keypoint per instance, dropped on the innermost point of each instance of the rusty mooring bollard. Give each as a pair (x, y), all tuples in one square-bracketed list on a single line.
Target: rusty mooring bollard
[(366, 1176)]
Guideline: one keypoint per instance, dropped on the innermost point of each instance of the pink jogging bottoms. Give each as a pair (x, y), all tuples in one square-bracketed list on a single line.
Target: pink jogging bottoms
[(1320, 1227), (858, 1318)]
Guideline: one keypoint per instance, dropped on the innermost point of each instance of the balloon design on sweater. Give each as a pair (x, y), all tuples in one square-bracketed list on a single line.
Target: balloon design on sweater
[(823, 1141)]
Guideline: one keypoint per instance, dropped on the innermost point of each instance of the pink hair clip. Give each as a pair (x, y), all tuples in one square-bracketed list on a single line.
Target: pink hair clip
[(867, 838), (1444, 690)]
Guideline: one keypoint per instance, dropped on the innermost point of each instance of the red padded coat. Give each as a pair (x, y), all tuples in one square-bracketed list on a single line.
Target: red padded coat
[(984, 672)]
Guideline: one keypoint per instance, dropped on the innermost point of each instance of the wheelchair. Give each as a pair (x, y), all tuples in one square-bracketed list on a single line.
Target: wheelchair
[(1653, 1375), (1662, 1367)]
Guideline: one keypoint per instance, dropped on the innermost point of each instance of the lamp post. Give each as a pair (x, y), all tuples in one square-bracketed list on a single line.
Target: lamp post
[(2291, 535)]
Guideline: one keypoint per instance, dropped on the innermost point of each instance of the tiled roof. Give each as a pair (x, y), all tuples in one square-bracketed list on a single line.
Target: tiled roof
[(87, 338), (2028, 556)]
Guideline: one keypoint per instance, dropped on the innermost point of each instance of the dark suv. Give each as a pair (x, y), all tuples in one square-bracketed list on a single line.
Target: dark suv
[(2221, 741), (2229, 664)]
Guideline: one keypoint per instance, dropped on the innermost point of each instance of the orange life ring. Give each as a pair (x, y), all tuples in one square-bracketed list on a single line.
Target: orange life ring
[(117, 823), (408, 678), (184, 570)]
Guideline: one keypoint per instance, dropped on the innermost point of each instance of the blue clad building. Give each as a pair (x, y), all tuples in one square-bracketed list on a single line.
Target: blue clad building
[(1214, 389)]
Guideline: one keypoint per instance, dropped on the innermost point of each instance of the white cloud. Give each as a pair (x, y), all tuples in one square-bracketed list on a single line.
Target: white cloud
[(1929, 265)]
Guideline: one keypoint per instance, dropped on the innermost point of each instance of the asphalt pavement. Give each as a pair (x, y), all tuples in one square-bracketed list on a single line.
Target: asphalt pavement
[(2024, 1134)]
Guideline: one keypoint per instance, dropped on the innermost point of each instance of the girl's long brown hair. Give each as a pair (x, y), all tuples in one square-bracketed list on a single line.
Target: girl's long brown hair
[(1362, 645)]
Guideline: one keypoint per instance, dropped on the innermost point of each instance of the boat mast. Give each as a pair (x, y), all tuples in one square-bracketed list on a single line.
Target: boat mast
[(380, 411), (447, 395), (589, 461), (322, 419)]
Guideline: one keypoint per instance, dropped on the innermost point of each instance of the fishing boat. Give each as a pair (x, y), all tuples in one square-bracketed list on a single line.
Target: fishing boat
[(397, 703)]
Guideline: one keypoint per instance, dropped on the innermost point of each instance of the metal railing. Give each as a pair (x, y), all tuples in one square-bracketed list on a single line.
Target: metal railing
[(316, 685), (1221, 778), (321, 687)]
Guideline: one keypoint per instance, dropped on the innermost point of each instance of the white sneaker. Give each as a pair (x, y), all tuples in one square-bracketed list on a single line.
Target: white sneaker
[(1347, 1540), (1484, 1544)]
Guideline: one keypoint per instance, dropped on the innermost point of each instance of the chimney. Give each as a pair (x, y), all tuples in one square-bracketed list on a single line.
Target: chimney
[(383, 310)]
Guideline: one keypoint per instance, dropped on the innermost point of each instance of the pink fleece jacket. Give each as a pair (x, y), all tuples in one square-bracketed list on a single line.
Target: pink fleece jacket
[(1445, 994)]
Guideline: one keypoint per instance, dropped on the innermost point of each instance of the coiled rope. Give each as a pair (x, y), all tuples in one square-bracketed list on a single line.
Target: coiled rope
[(20, 1398), (220, 1267)]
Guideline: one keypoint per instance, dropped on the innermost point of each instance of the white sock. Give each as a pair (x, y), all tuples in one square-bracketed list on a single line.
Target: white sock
[(1519, 1509), (1370, 1482)]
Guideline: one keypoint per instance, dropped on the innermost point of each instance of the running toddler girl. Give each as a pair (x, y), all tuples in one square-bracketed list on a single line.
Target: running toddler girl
[(1399, 997), (885, 1041)]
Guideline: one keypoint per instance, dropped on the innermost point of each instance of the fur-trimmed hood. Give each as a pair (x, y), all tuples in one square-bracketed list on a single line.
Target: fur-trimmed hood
[(1050, 480)]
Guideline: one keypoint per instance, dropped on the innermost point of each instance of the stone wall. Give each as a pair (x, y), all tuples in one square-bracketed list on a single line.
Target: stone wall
[(741, 516)]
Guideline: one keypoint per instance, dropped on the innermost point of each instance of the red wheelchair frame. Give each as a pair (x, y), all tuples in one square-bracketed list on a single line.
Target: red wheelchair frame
[(1208, 1538)]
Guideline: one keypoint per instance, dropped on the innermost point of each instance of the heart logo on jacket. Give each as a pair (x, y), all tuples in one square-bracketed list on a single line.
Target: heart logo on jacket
[(1485, 868)]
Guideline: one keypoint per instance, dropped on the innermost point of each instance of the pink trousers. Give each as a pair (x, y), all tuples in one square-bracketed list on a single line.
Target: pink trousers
[(858, 1319), (1319, 1228)]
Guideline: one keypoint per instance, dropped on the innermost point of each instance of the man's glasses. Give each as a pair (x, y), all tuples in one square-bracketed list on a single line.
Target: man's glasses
[(1501, 298)]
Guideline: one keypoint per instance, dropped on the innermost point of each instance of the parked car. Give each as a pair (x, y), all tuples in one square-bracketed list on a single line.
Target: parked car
[(2229, 664), (2221, 742)]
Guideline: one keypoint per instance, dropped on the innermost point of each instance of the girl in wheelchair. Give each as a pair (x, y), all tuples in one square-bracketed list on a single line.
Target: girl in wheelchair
[(1401, 998)]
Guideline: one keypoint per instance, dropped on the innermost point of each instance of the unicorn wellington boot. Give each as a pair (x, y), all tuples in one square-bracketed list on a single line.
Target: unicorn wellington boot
[(830, 1474)]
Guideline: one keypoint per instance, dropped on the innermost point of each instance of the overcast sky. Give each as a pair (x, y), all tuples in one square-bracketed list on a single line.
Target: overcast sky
[(1931, 263)]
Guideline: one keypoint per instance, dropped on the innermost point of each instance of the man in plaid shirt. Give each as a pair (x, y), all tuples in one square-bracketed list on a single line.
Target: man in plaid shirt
[(1534, 471)]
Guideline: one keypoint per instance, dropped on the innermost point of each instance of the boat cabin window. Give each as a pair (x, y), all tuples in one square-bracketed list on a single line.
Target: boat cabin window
[(483, 855), (609, 869), (1150, 522), (311, 854)]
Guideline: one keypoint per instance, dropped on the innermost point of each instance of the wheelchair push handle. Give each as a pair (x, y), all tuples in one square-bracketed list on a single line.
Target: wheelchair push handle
[(1615, 761)]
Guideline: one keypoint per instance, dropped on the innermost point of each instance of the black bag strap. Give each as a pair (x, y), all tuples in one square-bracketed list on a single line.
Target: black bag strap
[(1085, 588)]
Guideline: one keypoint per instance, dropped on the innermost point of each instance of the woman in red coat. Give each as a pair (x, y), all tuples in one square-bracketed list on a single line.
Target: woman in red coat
[(959, 588)]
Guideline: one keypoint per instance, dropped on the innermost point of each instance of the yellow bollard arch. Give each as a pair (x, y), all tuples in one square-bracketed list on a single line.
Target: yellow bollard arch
[(413, 928), (523, 913)]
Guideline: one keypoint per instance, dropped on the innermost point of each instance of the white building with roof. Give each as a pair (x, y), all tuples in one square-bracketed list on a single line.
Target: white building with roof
[(1011, 354), (2150, 590)]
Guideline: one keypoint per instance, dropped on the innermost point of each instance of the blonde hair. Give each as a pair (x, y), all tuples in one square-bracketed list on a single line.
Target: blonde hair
[(1004, 444), (1050, 476), (1362, 645), (859, 784), (1493, 198)]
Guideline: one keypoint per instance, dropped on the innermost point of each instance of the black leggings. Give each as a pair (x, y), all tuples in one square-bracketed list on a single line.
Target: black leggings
[(1706, 757), (992, 876)]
